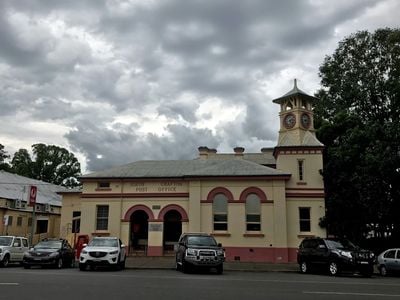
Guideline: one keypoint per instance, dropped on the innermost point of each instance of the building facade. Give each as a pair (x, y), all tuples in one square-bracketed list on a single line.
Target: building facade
[(258, 205), (17, 215)]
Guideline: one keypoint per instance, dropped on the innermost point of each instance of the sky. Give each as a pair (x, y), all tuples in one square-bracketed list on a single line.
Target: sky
[(121, 81)]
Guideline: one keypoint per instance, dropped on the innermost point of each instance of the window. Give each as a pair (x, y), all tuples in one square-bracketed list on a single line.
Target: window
[(19, 221), (29, 222), (42, 226), (17, 243), (305, 219), (390, 254), (220, 212), (25, 242), (102, 217), (10, 220), (253, 213), (300, 165), (104, 185), (76, 221)]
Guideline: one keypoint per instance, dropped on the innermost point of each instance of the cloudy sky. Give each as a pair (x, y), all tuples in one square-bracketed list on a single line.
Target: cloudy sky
[(119, 81)]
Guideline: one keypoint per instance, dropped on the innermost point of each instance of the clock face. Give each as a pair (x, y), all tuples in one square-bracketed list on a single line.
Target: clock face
[(305, 120), (289, 121)]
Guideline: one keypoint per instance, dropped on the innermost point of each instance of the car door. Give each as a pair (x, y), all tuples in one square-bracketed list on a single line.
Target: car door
[(389, 260), (396, 263), (17, 251), (321, 254)]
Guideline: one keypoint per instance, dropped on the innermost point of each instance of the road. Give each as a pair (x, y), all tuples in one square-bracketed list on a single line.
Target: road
[(72, 284)]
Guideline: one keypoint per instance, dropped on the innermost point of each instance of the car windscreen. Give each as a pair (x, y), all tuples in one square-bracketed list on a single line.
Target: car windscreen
[(5, 241), (48, 245), (201, 241), (340, 244), (103, 243)]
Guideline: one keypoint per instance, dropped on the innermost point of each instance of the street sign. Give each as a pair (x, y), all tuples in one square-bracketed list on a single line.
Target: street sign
[(32, 195)]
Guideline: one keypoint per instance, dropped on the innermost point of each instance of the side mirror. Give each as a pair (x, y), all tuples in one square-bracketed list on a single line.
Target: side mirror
[(175, 248), (181, 243), (123, 246), (84, 245), (219, 245)]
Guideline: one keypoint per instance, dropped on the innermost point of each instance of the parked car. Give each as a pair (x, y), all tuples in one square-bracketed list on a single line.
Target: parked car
[(334, 256), (12, 249), (199, 250), (389, 262), (103, 251), (50, 252)]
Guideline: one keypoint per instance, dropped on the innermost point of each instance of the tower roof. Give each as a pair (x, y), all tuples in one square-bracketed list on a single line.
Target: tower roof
[(295, 91)]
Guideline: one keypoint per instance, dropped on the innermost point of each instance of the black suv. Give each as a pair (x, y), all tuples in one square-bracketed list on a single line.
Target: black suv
[(334, 256), (199, 250)]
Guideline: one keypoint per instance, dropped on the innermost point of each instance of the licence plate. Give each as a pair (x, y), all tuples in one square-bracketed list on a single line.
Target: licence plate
[(363, 262)]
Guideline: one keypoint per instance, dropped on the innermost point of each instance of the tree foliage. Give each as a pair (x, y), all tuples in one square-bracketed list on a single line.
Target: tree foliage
[(358, 121), (3, 157), (48, 163)]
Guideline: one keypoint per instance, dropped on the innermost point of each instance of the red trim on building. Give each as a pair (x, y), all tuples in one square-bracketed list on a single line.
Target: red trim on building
[(134, 208), (219, 190), (305, 195), (261, 254), (136, 195), (253, 190), (154, 251), (178, 208)]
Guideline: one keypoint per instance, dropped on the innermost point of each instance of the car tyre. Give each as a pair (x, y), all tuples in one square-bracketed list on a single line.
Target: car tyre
[(220, 269), (304, 267), (185, 267), (82, 267), (6, 260), (59, 263), (383, 270), (333, 268)]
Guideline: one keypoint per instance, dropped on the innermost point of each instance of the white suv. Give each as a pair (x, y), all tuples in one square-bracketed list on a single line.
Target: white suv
[(12, 249), (103, 251)]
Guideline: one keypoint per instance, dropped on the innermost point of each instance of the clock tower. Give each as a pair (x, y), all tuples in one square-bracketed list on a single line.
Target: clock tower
[(298, 150)]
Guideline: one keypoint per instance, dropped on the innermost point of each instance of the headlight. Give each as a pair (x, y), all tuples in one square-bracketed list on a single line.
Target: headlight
[(192, 252), (345, 253), (53, 254), (371, 255), (220, 252), (114, 252)]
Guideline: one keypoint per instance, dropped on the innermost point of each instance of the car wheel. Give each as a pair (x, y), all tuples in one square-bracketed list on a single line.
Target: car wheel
[(383, 271), (59, 263), (82, 267), (5, 261), (333, 268), (185, 267), (304, 267), (220, 269)]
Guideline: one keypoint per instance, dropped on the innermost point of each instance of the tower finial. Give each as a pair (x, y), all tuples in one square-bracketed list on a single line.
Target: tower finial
[(295, 83)]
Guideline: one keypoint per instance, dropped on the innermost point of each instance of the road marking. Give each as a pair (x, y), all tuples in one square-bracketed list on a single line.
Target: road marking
[(350, 294), (9, 283)]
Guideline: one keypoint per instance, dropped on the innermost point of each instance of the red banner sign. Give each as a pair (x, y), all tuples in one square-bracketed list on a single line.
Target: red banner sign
[(32, 195)]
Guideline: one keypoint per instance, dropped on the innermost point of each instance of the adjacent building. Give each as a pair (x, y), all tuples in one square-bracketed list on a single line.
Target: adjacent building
[(17, 215), (258, 205)]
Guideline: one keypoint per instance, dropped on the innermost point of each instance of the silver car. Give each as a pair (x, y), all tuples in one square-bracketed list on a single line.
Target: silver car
[(12, 249), (389, 261)]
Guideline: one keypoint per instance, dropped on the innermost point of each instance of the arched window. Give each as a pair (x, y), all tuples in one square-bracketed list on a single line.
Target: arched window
[(253, 212), (220, 212)]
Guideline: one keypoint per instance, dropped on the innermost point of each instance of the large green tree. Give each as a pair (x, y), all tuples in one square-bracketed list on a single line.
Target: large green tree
[(358, 121), (49, 163)]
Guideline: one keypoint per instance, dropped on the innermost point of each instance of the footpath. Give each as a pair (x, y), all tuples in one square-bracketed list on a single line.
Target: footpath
[(168, 262)]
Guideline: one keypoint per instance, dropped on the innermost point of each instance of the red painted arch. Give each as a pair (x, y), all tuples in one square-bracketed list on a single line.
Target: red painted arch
[(253, 190), (170, 207), (134, 208), (219, 190)]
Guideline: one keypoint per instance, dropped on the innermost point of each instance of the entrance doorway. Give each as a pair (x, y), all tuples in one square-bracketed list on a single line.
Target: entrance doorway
[(172, 230), (139, 232)]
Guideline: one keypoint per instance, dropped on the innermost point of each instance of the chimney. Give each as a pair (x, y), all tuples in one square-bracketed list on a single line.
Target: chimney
[(238, 152), (203, 152)]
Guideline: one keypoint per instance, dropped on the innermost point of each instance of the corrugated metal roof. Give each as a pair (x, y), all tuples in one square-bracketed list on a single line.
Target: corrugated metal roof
[(15, 187), (187, 168)]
